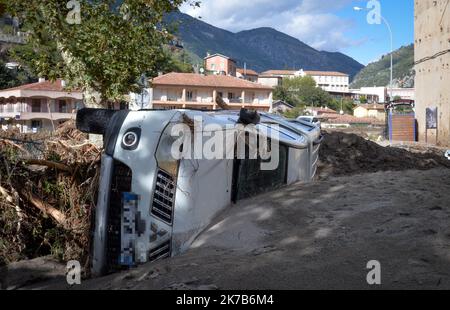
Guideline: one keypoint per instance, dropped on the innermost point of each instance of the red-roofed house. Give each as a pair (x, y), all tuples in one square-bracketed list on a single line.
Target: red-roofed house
[(189, 90), (314, 111), (247, 74), (220, 64), (36, 106)]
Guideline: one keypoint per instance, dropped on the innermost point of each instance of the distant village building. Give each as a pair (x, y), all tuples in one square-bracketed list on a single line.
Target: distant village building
[(319, 111), (281, 107), (370, 93), (403, 93), (370, 110), (247, 74), (270, 80), (38, 106), (220, 64), (189, 90), (383, 94), (329, 81)]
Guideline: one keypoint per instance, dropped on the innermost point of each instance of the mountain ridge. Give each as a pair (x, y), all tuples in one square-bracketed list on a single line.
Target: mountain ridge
[(261, 49)]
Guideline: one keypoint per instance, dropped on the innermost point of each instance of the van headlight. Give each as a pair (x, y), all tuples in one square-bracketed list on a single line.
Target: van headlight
[(130, 140)]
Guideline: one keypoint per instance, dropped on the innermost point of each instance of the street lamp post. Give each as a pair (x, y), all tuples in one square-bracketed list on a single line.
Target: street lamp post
[(356, 8)]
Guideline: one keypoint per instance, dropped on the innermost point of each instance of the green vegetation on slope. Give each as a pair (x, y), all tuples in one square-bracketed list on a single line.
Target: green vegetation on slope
[(378, 73)]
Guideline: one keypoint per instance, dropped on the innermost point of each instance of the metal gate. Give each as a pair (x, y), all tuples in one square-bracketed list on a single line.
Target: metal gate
[(401, 120), (402, 126)]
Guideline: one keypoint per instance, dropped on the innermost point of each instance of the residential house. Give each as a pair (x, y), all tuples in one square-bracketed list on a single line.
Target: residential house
[(190, 90), (377, 111), (270, 80), (319, 111), (330, 81), (220, 64), (247, 74), (281, 107), (38, 106)]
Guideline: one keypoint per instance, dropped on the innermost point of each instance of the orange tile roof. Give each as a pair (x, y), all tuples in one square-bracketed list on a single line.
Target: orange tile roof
[(42, 86), (198, 80), (247, 71)]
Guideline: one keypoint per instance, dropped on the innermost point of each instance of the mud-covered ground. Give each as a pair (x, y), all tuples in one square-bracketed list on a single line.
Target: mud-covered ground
[(368, 203), (315, 236)]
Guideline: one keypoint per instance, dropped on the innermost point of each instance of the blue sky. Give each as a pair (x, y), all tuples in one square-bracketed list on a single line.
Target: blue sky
[(330, 25)]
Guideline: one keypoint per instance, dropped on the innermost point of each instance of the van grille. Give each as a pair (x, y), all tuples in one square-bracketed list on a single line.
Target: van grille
[(164, 197), (121, 182), (161, 251)]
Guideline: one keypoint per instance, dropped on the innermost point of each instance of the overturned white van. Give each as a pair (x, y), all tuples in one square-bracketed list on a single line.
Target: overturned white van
[(152, 204)]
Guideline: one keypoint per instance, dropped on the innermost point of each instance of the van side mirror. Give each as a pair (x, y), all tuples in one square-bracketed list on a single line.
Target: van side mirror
[(94, 121)]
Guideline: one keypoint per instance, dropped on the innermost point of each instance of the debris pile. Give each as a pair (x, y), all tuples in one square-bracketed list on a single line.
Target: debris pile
[(48, 188), (346, 154)]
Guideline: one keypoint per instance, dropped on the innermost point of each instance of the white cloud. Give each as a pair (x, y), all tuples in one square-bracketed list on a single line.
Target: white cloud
[(311, 21)]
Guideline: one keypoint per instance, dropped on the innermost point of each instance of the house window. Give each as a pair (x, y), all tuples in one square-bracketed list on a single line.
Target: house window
[(36, 124), (189, 95), (213, 67), (63, 108), (36, 105), (231, 96)]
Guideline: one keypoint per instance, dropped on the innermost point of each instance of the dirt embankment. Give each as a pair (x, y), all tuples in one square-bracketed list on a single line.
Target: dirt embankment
[(347, 154)]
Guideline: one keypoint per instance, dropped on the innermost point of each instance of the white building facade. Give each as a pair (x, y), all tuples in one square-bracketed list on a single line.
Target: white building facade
[(330, 81)]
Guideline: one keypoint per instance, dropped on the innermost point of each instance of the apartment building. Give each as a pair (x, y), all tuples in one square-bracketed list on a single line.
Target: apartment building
[(329, 81), (189, 90), (38, 106)]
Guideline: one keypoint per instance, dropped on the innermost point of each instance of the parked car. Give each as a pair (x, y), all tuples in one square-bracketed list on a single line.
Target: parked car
[(151, 205)]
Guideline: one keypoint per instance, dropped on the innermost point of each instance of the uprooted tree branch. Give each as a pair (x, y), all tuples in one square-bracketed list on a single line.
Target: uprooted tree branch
[(47, 197)]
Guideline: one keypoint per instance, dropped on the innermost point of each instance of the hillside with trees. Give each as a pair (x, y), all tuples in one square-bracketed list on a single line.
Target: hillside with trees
[(378, 72)]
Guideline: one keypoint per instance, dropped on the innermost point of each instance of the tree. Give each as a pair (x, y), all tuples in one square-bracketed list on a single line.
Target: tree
[(304, 91), (98, 46), (346, 105), (363, 99), (294, 113)]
